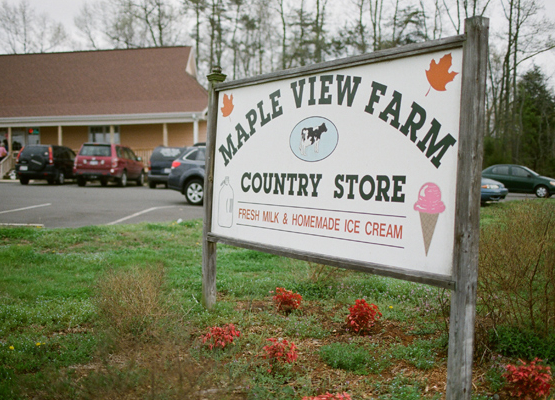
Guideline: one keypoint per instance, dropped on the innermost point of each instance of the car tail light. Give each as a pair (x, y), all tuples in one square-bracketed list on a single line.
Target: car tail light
[(50, 158), (175, 164), (114, 162), (18, 154)]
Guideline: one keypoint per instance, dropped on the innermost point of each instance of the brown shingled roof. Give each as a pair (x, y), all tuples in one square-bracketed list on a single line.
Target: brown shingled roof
[(133, 81)]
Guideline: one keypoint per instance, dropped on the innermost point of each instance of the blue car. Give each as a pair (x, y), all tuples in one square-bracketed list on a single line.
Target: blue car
[(492, 190)]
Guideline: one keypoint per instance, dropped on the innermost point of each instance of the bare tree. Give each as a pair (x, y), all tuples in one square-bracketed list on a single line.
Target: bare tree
[(525, 37), (23, 31), (376, 19), (131, 23)]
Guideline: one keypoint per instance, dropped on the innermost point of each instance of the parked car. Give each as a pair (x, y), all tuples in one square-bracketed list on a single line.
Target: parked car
[(492, 190), (44, 161), (159, 165), (106, 162), (520, 179), (187, 174)]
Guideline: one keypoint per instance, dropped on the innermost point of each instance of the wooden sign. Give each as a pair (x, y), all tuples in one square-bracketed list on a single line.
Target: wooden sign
[(369, 163)]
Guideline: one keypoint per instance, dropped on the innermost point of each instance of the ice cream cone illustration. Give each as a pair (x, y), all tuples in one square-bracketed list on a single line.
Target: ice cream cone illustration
[(429, 205)]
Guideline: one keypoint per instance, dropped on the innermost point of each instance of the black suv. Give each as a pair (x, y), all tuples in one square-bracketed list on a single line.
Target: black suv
[(187, 174), (44, 161), (160, 164)]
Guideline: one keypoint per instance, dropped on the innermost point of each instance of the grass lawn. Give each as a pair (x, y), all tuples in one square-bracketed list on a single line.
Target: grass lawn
[(113, 312)]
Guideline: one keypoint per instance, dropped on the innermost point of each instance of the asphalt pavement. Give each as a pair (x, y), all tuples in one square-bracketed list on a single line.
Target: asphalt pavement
[(61, 206)]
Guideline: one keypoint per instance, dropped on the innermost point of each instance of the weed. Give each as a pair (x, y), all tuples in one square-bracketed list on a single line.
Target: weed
[(403, 388), (330, 396), (421, 353), (130, 302), (355, 358), (517, 268), (303, 326)]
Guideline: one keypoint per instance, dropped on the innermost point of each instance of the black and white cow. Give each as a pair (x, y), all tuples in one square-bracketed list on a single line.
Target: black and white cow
[(311, 136)]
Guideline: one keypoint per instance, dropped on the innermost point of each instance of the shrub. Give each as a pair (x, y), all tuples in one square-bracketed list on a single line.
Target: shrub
[(220, 336), (516, 285), (529, 381), (280, 351), (329, 396), (362, 316), (522, 343), (286, 300)]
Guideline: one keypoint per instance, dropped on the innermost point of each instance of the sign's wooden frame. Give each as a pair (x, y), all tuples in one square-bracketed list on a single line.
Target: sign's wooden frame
[(463, 282)]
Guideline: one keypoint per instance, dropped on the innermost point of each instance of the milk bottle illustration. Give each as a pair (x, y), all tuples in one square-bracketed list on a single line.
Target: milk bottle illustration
[(225, 204)]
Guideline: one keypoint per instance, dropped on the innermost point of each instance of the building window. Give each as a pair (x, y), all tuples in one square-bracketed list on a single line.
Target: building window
[(101, 134)]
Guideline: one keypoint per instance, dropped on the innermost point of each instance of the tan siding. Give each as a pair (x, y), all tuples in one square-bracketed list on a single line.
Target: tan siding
[(202, 131), (74, 136), (141, 136), (49, 135), (180, 135)]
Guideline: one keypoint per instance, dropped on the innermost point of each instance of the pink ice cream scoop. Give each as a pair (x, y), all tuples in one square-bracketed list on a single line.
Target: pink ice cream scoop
[(429, 199)]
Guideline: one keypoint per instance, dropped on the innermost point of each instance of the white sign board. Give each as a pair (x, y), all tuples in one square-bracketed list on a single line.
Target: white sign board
[(357, 163)]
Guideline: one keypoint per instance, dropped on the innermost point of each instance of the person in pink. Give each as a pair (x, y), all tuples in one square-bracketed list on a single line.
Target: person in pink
[(3, 152)]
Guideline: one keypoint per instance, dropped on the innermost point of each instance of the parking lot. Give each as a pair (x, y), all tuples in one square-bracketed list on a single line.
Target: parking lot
[(59, 206)]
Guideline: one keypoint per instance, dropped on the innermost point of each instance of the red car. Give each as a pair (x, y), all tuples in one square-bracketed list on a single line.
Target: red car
[(106, 162)]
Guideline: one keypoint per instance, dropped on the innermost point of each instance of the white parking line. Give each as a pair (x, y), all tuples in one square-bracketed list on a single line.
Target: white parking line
[(25, 208), (137, 214)]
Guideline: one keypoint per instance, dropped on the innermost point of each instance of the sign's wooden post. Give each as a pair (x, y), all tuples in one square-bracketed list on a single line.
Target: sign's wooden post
[(467, 219), (209, 248)]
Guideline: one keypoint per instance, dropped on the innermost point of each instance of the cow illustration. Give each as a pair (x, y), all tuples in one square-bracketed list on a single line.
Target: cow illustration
[(311, 136)]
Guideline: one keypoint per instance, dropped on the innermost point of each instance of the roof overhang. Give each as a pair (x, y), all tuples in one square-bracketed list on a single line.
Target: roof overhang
[(109, 119)]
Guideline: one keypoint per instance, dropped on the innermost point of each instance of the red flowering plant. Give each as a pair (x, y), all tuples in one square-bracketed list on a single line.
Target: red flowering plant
[(220, 336), (329, 396), (286, 300), (362, 316), (280, 351), (529, 381)]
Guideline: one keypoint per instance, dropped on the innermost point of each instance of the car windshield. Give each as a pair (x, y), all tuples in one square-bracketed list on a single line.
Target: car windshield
[(530, 171), (166, 153), (35, 149), (197, 153), (96, 150)]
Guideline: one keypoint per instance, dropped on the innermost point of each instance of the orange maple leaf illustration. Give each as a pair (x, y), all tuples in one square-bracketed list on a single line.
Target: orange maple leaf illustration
[(438, 75), (228, 105)]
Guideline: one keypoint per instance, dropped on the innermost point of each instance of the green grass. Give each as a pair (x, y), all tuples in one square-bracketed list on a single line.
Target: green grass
[(355, 357), (60, 337)]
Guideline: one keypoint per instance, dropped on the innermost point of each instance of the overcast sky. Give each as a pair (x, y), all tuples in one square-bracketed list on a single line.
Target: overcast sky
[(65, 10)]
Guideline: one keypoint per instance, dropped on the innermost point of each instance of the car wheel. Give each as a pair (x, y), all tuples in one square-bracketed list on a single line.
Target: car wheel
[(81, 181), (542, 191), (61, 178), (152, 185), (123, 180), (194, 192), (141, 179), (104, 182), (24, 181), (51, 181)]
